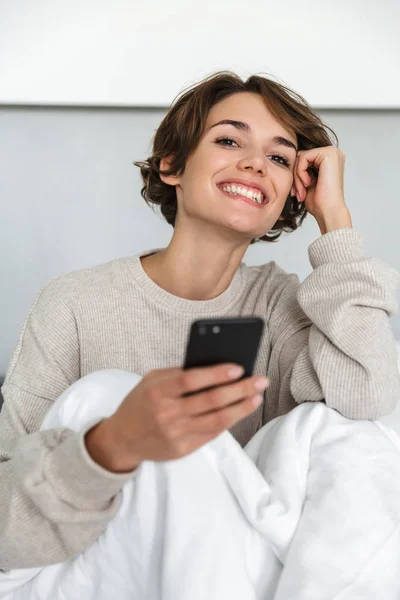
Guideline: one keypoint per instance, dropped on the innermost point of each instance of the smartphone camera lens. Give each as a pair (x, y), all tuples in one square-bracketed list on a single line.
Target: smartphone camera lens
[(216, 329), (202, 330)]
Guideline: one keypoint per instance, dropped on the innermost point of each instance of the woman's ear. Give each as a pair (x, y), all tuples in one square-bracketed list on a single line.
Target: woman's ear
[(165, 164)]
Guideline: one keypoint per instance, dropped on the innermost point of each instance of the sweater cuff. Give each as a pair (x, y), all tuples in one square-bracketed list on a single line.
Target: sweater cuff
[(79, 480), (337, 246)]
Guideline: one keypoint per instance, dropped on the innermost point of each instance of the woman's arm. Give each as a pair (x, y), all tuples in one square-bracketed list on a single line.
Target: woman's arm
[(330, 335), (54, 500)]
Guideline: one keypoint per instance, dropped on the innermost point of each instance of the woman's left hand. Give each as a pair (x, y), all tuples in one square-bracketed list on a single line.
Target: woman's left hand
[(323, 195)]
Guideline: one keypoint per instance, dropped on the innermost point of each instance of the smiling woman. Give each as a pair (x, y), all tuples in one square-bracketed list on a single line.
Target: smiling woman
[(189, 121), (226, 160)]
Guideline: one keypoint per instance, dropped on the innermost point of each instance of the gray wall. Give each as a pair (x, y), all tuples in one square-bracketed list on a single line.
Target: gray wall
[(70, 197)]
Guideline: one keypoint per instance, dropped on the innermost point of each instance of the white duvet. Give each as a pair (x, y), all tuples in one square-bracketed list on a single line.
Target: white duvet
[(309, 510)]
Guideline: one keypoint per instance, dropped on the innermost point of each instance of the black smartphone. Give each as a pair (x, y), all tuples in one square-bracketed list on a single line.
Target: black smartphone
[(224, 340)]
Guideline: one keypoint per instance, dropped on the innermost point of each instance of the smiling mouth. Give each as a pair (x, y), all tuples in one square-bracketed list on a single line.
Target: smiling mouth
[(246, 199)]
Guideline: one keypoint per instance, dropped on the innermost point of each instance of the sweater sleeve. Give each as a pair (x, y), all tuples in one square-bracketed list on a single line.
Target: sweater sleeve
[(54, 499), (330, 336)]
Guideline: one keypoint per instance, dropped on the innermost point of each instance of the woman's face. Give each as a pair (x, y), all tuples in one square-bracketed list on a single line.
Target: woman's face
[(252, 155)]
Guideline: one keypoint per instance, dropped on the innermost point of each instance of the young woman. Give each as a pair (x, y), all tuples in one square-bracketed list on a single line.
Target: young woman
[(233, 162)]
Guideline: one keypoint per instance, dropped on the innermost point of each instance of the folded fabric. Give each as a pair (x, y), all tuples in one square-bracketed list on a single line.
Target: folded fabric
[(308, 510)]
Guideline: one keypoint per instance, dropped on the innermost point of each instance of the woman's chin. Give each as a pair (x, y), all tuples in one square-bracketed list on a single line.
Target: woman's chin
[(243, 233), (243, 227)]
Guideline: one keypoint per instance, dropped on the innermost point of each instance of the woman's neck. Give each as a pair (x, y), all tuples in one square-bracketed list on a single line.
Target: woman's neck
[(194, 272)]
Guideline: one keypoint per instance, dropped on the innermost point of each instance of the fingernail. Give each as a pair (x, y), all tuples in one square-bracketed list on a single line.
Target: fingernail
[(261, 384), (235, 371)]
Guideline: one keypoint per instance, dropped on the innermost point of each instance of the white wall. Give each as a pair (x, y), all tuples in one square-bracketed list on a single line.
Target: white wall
[(70, 197), (336, 53)]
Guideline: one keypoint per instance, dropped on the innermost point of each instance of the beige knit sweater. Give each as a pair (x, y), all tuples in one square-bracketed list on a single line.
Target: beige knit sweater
[(326, 338)]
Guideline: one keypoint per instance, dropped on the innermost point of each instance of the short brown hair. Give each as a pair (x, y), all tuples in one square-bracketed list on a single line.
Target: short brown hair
[(182, 127)]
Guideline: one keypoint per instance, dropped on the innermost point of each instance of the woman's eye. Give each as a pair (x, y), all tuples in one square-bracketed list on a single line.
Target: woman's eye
[(285, 160), (222, 141), (225, 140)]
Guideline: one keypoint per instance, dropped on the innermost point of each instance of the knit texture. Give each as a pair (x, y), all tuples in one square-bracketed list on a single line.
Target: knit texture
[(328, 338)]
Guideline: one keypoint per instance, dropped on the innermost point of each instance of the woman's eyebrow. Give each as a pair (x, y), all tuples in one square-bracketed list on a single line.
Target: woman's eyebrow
[(282, 141)]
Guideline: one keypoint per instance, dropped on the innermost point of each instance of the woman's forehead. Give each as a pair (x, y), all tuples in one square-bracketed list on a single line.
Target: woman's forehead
[(247, 112)]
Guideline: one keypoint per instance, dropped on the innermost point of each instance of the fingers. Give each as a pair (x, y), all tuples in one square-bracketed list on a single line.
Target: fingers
[(299, 189), (301, 177), (214, 423), (221, 397), (182, 382), (180, 423)]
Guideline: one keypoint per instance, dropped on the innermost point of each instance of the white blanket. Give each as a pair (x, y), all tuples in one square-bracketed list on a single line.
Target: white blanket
[(309, 510)]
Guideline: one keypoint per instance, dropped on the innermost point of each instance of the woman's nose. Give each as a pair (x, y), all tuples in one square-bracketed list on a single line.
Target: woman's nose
[(256, 162)]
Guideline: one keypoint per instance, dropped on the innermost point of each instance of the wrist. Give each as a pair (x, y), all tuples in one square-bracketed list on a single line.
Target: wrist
[(338, 221), (104, 447)]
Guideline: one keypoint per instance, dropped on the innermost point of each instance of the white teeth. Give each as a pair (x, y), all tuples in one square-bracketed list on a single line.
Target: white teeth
[(242, 191)]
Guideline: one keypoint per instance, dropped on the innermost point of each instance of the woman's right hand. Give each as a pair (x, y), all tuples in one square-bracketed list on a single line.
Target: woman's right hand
[(158, 421)]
